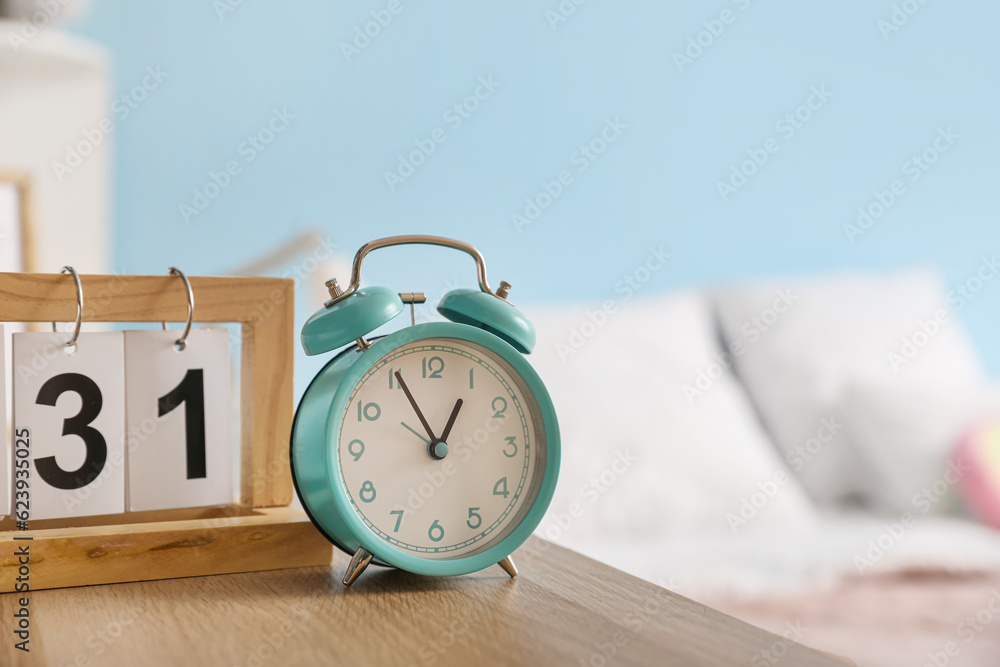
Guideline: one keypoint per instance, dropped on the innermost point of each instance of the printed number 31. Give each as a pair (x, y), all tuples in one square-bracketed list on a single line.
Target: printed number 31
[(191, 391)]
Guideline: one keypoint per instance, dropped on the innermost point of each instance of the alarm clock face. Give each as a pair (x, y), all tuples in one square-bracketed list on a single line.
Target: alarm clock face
[(441, 448)]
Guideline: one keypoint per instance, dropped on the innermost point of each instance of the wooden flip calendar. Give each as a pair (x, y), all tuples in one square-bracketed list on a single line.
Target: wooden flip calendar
[(258, 532)]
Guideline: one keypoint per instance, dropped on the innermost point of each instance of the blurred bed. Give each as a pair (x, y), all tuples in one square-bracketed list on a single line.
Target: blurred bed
[(785, 452), (908, 619)]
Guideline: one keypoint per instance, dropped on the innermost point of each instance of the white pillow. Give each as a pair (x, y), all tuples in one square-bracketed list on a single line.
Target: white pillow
[(906, 438), (639, 459), (801, 344)]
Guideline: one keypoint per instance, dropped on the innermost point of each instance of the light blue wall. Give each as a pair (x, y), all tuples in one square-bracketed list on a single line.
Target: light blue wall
[(656, 184)]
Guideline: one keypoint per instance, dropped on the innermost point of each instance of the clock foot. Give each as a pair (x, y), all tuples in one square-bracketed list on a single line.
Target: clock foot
[(362, 557), (508, 566)]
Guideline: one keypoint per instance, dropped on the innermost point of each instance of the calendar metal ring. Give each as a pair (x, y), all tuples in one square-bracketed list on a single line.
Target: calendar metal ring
[(181, 342), (79, 305)]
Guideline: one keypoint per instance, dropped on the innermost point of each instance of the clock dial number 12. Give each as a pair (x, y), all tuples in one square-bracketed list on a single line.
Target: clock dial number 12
[(438, 451)]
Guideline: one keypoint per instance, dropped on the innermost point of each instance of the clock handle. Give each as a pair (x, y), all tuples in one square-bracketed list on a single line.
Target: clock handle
[(337, 294)]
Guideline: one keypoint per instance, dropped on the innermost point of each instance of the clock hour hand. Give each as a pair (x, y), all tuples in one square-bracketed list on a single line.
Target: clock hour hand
[(451, 421), (438, 448), (413, 403)]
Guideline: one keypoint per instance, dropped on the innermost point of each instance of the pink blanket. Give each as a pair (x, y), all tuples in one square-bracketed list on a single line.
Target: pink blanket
[(907, 620)]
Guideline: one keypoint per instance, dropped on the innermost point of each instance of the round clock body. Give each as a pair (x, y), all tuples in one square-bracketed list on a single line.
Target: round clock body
[(436, 449)]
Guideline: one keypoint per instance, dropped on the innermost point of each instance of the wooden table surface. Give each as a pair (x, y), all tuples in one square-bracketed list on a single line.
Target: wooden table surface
[(562, 609)]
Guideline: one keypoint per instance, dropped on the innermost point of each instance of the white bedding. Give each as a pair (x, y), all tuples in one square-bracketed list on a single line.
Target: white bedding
[(647, 380), (773, 562)]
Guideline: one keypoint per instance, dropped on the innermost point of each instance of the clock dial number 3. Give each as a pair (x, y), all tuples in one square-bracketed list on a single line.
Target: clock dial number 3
[(419, 496), (510, 449)]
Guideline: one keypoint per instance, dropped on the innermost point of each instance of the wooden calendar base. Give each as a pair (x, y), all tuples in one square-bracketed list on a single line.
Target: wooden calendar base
[(260, 533), (160, 545)]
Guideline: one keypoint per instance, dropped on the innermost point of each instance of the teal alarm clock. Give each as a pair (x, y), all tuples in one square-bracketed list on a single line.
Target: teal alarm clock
[(433, 449)]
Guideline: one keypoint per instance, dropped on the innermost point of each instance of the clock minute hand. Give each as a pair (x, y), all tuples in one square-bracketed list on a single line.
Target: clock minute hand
[(409, 397)]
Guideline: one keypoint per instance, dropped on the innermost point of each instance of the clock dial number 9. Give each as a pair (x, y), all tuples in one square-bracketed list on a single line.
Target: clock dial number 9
[(433, 500)]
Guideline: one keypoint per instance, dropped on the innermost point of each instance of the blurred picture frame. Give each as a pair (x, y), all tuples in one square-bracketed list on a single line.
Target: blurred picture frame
[(17, 248)]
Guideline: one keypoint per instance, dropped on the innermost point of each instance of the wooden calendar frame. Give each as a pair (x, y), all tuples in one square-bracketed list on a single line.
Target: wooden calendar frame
[(260, 531)]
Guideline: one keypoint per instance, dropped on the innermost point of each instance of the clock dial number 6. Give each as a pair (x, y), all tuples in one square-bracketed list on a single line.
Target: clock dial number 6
[(379, 465), (435, 532)]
